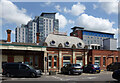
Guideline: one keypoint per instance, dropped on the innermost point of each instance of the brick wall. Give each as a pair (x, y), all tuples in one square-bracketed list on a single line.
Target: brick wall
[(110, 56)]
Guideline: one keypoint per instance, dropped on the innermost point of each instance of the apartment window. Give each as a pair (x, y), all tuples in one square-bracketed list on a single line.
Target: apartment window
[(104, 61)]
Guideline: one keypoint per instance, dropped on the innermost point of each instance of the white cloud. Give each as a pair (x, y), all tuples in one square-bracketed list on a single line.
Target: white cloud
[(76, 9), (93, 23), (12, 14), (71, 21), (110, 6), (62, 20), (95, 6), (57, 7)]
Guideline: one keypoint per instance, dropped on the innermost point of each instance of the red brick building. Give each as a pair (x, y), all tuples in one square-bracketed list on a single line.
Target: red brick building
[(102, 57)]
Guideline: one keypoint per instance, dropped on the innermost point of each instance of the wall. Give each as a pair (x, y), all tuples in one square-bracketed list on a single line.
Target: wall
[(110, 56), (62, 52)]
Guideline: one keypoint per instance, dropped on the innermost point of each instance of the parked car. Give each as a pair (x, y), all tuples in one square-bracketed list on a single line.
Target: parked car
[(71, 69), (91, 68), (116, 74), (19, 69), (113, 66)]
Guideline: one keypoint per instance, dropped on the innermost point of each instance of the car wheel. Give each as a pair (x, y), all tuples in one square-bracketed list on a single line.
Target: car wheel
[(8, 75), (108, 69), (79, 73), (91, 71), (33, 75)]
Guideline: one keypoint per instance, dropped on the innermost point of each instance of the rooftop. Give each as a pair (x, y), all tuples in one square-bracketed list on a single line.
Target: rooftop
[(90, 30), (47, 13)]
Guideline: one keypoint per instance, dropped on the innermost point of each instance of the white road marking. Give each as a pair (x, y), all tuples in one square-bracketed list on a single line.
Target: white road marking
[(91, 77), (57, 77)]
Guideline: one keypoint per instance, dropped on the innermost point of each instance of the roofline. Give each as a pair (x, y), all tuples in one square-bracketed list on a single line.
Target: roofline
[(47, 13), (99, 32), (77, 27), (23, 45)]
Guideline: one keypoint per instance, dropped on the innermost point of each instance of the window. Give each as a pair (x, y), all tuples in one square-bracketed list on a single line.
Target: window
[(24, 67), (52, 42), (116, 59), (79, 44), (66, 57), (79, 58), (67, 43), (55, 64), (55, 57), (64, 63), (50, 57), (97, 60), (50, 64), (36, 61), (104, 61)]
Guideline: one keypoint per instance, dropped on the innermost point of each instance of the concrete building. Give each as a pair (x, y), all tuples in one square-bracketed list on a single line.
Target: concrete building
[(44, 24), (110, 44), (91, 37)]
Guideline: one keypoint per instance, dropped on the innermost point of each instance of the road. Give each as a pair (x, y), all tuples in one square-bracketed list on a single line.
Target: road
[(104, 76)]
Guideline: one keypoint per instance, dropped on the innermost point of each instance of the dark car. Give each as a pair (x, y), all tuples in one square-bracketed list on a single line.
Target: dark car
[(91, 68), (113, 66), (19, 69), (116, 74), (71, 69)]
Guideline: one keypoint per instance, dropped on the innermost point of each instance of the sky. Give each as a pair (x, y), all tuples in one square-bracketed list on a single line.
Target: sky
[(98, 16)]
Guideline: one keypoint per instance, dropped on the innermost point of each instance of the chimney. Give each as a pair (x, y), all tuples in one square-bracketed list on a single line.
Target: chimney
[(38, 38), (8, 35)]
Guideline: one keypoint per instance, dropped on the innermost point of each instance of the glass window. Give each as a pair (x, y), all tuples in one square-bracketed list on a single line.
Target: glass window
[(64, 63), (55, 64), (104, 61), (36, 61), (23, 67), (50, 64), (116, 59), (55, 57), (97, 60), (66, 57), (79, 58), (50, 57)]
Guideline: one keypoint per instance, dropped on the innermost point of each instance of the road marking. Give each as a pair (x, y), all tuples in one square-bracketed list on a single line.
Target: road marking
[(57, 77), (91, 77)]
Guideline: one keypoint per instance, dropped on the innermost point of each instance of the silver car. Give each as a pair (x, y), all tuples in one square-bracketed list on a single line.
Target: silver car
[(71, 69)]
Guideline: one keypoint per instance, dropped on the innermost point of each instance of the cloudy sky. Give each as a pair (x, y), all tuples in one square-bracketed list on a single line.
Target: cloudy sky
[(99, 16)]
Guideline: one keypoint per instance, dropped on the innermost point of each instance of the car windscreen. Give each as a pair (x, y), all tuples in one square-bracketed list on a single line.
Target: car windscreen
[(95, 66), (75, 65), (30, 67)]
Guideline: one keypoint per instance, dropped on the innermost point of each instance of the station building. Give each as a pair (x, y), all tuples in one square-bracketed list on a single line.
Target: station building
[(53, 53)]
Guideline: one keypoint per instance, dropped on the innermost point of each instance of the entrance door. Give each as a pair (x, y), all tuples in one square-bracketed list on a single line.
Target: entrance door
[(110, 60)]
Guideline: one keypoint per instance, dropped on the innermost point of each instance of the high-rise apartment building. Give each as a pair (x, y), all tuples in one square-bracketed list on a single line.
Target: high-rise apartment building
[(20, 34), (44, 24)]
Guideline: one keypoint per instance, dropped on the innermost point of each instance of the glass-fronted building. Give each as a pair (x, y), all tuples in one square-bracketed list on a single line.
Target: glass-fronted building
[(91, 37)]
